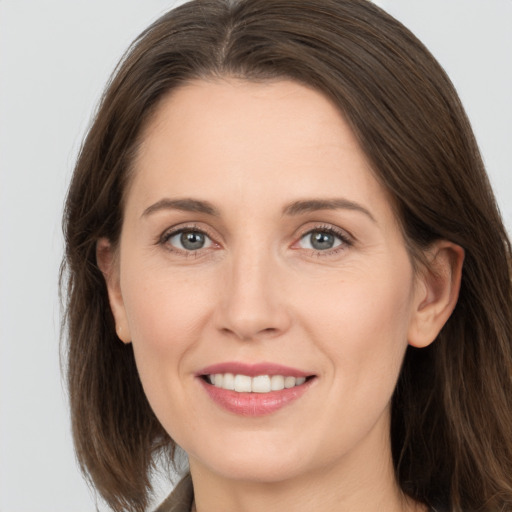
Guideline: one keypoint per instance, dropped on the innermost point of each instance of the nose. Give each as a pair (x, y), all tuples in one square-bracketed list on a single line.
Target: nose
[(252, 303)]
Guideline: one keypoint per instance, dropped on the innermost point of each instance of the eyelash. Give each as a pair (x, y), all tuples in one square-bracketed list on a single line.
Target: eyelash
[(346, 240), (167, 235)]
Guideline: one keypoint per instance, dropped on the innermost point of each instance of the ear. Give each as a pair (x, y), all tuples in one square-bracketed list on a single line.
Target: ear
[(437, 292), (107, 261)]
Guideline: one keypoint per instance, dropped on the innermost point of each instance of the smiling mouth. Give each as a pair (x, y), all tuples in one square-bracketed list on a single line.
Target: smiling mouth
[(258, 384), (252, 390)]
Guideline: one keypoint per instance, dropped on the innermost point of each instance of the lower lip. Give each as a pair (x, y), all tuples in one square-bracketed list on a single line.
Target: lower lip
[(255, 404)]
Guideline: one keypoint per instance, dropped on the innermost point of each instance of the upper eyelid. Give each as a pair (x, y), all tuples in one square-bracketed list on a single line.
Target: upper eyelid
[(343, 234), (180, 228), (164, 238), (167, 234)]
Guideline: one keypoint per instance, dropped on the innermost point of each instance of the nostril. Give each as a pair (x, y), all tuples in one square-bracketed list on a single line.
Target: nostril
[(250, 335)]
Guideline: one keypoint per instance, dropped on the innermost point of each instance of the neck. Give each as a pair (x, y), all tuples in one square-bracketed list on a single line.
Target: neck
[(362, 481)]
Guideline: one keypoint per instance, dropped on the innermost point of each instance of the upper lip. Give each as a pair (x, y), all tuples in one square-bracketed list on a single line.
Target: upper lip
[(253, 369)]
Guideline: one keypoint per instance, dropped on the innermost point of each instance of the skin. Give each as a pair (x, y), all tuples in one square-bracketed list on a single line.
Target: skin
[(258, 291)]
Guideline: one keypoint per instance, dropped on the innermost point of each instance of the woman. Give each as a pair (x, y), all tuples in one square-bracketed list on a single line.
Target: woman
[(285, 257)]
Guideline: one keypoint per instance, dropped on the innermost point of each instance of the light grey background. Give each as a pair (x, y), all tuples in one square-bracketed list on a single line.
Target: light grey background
[(55, 56)]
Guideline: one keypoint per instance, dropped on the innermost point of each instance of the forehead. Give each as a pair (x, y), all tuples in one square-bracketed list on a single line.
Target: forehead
[(244, 111), (234, 138)]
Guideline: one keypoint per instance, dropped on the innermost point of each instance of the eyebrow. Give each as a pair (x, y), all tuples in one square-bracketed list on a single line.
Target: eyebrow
[(296, 208), (313, 205), (186, 205)]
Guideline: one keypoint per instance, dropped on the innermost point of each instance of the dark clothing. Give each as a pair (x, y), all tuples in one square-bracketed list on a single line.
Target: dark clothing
[(180, 500)]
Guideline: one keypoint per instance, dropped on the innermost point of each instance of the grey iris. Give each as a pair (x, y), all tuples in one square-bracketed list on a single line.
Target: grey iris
[(321, 240), (191, 240)]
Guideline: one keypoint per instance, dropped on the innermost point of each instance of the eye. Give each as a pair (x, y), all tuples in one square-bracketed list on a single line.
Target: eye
[(189, 240), (322, 240)]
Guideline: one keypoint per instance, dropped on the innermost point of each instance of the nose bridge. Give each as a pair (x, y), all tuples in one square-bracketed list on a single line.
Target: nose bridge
[(252, 302)]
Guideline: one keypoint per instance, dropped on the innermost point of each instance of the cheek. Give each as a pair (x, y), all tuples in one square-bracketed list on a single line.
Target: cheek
[(165, 316), (362, 323), (361, 326), (163, 308)]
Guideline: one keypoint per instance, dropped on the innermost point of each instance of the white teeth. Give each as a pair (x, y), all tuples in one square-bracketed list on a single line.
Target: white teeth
[(277, 382), (289, 382), (258, 384), (229, 381), (261, 384), (243, 384)]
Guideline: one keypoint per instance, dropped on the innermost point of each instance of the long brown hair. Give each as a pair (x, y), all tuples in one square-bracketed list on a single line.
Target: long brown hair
[(451, 426)]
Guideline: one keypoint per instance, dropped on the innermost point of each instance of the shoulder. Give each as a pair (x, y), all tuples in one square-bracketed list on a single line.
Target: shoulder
[(180, 500)]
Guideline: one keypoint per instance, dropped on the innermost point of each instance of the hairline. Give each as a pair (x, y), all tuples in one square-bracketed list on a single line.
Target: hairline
[(415, 253)]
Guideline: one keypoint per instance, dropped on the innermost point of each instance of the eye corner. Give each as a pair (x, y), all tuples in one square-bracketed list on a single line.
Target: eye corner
[(187, 240), (329, 240)]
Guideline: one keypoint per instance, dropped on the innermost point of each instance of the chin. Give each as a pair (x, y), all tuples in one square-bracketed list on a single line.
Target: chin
[(261, 462), (264, 469)]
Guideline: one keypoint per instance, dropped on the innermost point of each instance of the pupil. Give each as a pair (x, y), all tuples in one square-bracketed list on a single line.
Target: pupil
[(191, 240), (322, 240)]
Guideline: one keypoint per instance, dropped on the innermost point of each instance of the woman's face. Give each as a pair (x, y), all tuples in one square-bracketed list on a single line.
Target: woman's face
[(257, 243)]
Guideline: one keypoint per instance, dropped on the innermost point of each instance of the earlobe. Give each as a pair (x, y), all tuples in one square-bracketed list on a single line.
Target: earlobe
[(108, 264), (437, 292)]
